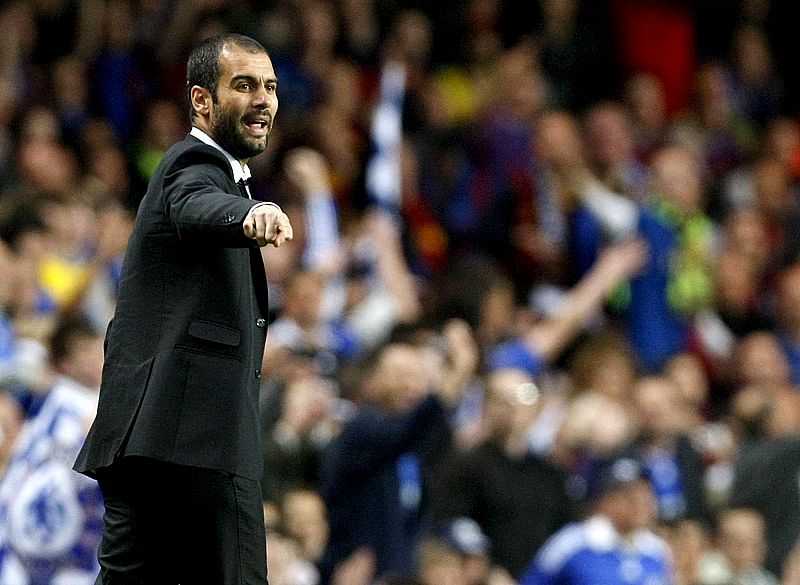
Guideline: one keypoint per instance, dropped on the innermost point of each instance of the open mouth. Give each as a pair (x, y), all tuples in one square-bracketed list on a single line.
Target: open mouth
[(258, 126)]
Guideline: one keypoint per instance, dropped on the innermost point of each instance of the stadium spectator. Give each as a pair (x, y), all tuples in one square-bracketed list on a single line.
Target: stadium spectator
[(665, 450), (615, 544), (52, 517), (767, 451), (741, 547), (504, 110), (516, 497), (376, 474)]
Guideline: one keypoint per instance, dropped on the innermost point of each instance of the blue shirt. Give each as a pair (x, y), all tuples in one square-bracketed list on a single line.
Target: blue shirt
[(791, 349), (657, 332), (592, 553), (664, 471), (515, 354)]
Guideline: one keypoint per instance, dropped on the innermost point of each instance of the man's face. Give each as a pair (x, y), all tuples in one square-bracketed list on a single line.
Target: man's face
[(631, 507), (246, 102), (84, 362)]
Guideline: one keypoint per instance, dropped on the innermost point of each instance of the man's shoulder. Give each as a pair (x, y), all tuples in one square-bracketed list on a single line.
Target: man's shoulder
[(591, 538), (563, 546), (649, 544), (189, 152)]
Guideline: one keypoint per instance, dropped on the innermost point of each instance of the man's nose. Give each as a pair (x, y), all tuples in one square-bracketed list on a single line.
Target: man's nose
[(262, 98)]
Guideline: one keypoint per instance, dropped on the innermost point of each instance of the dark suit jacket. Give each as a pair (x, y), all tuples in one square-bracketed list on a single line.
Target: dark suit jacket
[(183, 352), (766, 479)]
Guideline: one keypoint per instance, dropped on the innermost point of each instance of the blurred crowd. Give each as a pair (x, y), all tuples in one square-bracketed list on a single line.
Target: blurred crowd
[(531, 238)]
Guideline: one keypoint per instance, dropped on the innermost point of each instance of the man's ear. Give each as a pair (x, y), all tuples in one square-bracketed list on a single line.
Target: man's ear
[(201, 100)]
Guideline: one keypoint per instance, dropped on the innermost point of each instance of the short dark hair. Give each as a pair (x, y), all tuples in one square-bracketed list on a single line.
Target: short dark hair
[(20, 218), (203, 68), (69, 329)]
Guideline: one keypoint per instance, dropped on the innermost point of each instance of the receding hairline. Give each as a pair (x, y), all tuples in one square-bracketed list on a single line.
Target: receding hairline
[(223, 64), (253, 49)]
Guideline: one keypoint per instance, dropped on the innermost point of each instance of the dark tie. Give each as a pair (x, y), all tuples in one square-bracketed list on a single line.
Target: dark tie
[(243, 183)]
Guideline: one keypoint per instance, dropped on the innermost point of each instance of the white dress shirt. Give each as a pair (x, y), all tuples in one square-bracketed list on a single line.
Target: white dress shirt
[(240, 172)]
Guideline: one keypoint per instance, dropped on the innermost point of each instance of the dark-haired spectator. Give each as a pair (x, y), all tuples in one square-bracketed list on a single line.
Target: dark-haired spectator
[(603, 362), (757, 88), (615, 545), (163, 125), (71, 91), (758, 359), (376, 474), (782, 140), (775, 195), (122, 75), (611, 150), (644, 96), (715, 128), (298, 418)]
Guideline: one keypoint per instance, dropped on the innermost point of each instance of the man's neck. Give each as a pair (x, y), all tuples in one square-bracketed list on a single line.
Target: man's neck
[(238, 173)]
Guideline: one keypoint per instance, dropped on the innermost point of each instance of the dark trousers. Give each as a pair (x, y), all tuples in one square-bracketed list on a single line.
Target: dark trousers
[(168, 524)]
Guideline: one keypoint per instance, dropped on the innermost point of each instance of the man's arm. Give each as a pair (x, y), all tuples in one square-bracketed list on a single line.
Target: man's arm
[(197, 204), (374, 437), (617, 263)]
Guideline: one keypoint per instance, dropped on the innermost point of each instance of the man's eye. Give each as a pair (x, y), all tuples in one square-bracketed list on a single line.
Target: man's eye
[(244, 86)]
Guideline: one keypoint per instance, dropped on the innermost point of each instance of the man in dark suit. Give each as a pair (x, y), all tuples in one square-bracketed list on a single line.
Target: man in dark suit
[(175, 445)]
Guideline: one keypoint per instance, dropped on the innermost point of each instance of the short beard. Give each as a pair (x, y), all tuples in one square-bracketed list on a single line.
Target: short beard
[(227, 131)]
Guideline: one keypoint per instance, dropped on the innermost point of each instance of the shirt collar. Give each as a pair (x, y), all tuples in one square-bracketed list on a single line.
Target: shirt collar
[(240, 171), (602, 536)]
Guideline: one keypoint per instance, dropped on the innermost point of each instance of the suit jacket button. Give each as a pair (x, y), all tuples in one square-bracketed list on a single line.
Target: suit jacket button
[(260, 322), (258, 373)]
